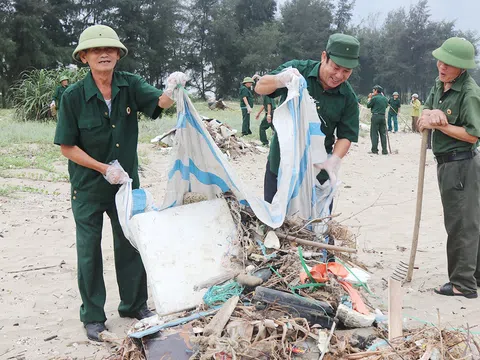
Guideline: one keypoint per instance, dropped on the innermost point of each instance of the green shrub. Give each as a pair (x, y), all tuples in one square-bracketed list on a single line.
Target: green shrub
[(32, 93)]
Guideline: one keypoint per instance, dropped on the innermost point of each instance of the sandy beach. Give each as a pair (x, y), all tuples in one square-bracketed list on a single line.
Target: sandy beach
[(38, 292)]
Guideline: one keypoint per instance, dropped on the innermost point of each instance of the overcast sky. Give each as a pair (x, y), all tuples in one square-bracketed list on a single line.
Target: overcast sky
[(465, 12)]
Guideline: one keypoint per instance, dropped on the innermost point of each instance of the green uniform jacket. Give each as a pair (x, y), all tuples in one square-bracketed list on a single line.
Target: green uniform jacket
[(461, 105), (268, 100), (416, 107), (57, 97), (378, 103), (245, 92), (337, 109), (394, 106), (84, 120)]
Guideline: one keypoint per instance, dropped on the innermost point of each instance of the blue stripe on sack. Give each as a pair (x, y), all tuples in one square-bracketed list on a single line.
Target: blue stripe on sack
[(191, 120), (181, 123), (315, 129), (302, 172), (139, 201), (172, 205), (294, 111), (203, 177)]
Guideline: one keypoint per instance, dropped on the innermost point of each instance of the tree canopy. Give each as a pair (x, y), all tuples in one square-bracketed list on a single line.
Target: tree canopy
[(218, 42)]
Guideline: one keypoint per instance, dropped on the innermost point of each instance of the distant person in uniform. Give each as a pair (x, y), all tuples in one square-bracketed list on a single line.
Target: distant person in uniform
[(246, 103), (267, 122), (452, 111), (57, 96), (393, 111), (416, 104), (378, 103)]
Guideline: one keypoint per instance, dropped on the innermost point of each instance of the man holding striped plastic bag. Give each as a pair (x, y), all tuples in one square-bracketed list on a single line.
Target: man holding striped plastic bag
[(336, 104)]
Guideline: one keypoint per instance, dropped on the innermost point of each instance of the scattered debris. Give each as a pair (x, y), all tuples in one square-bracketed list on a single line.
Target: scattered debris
[(287, 302), (50, 338), (223, 135)]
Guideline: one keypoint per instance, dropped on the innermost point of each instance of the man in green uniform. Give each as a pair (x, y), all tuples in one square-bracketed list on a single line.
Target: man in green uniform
[(394, 109), (269, 107), (378, 103), (452, 110), (246, 103), (337, 104), (97, 131), (57, 96)]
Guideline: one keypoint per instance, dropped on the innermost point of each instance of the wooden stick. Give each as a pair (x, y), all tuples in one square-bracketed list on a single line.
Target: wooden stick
[(218, 322), (314, 243), (362, 354), (37, 268), (388, 138), (418, 213), (395, 326)]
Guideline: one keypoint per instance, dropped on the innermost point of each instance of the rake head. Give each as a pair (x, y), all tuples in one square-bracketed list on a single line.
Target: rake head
[(400, 273)]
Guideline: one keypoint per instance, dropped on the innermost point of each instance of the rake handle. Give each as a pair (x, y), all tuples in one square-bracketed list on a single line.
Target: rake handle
[(418, 213)]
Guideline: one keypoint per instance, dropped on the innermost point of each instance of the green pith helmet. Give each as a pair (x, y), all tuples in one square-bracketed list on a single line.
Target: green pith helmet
[(247, 80), (456, 52), (378, 88), (63, 78), (98, 36), (344, 50), (395, 94)]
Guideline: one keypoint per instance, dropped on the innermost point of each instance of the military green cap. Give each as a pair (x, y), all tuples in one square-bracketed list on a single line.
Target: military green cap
[(378, 88), (98, 36), (247, 80), (63, 78), (395, 93), (456, 52), (344, 50)]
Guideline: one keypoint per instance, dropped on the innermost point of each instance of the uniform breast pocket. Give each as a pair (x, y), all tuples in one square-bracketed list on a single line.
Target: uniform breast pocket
[(452, 118), (92, 132), (89, 122)]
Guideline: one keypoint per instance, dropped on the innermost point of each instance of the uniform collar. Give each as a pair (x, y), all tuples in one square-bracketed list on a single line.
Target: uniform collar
[(91, 89), (314, 73), (458, 84)]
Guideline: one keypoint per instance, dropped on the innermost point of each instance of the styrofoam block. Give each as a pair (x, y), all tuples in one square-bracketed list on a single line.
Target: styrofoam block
[(183, 246)]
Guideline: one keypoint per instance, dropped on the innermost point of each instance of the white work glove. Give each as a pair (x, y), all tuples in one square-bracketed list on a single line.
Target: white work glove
[(286, 76), (256, 77), (269, 118), (175, 80), (52, 104), (115, 174), (249, 109), (331, 166)]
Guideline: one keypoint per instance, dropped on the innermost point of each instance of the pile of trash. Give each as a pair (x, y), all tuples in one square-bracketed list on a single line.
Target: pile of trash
[(279, 300), (292, 296), (225, 138)]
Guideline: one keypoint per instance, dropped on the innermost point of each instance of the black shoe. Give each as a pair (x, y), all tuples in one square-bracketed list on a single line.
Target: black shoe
[(94, 329), (447, 290), (143, 313)]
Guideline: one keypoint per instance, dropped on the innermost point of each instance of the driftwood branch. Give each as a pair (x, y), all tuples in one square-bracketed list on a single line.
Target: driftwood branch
[(314, 244)]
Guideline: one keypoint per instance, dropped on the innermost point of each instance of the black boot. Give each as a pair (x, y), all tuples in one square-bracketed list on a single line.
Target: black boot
[(94, 329), (143, 313)]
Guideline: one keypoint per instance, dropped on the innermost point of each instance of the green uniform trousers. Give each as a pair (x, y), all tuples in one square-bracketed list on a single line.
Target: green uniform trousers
[(378, 127), (245, 122), (131, 276), (264, 126), (459, 183)]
